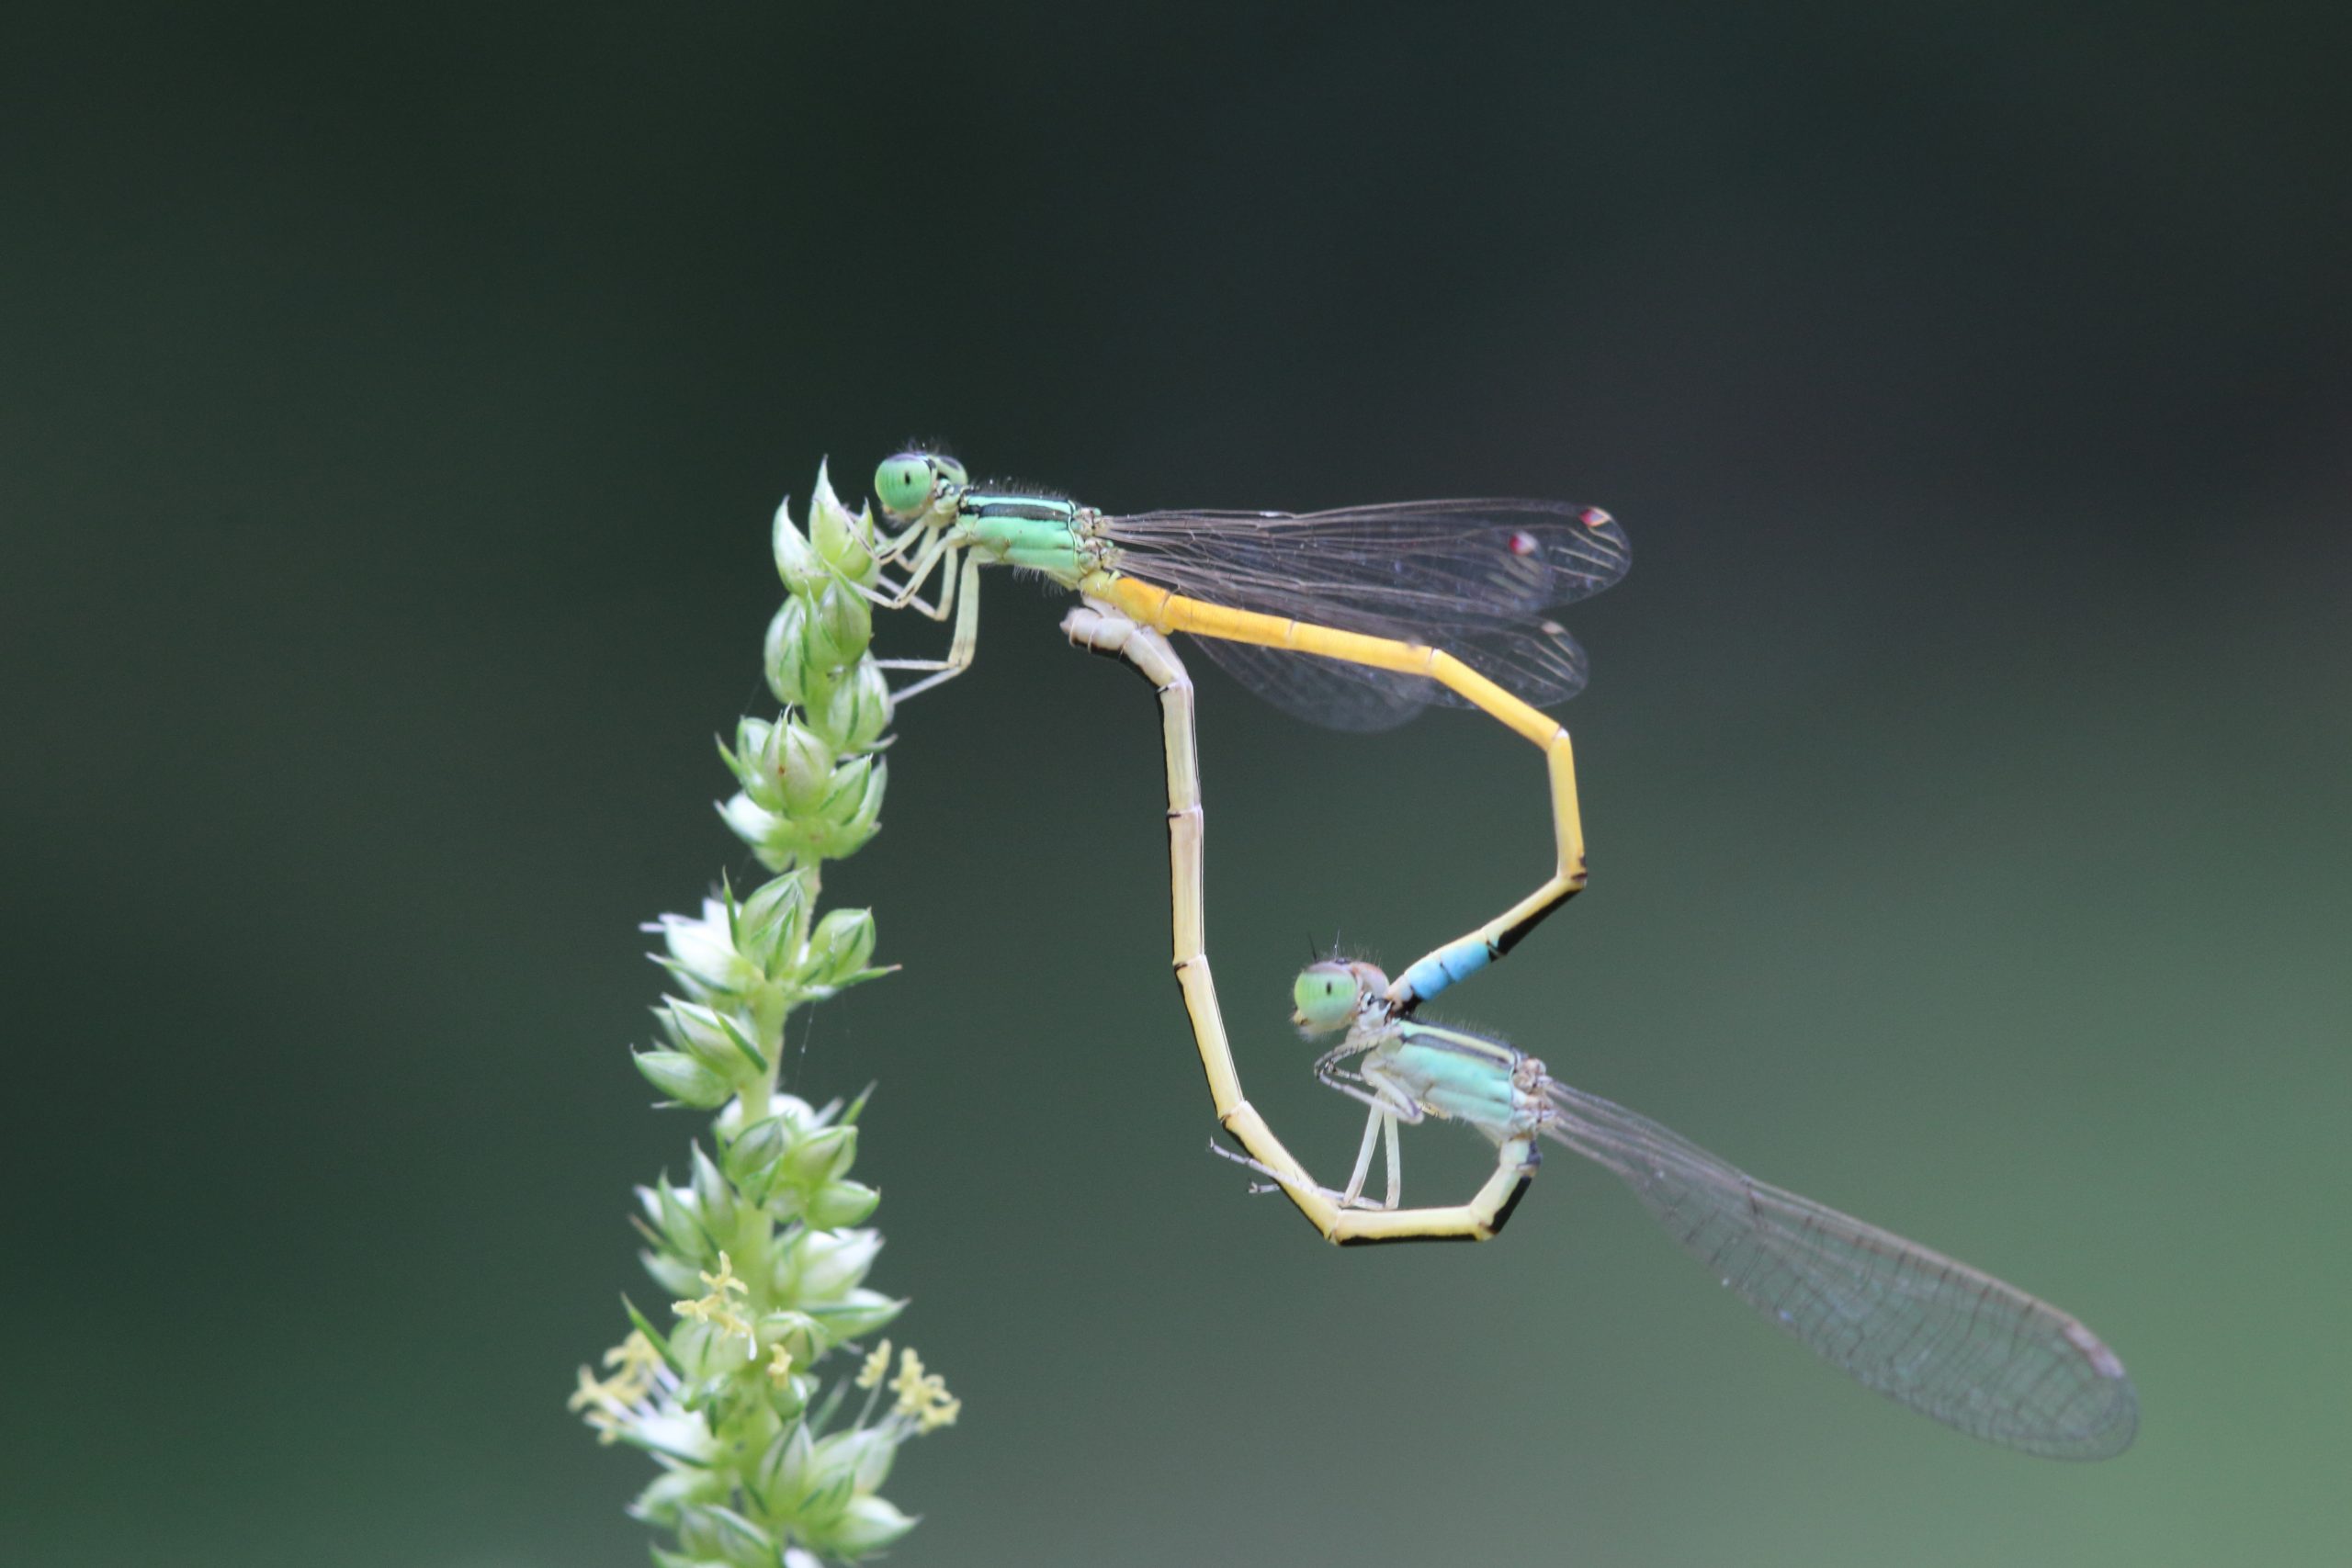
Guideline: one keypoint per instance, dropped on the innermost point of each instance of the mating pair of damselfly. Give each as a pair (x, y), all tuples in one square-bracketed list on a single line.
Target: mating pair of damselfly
[(1357, 618)]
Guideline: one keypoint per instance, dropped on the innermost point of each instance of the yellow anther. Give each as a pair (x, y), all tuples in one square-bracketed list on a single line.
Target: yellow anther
[(606, 1404), (921, 1396), (725, 1280), (869, 1373), (716, 1310), (638, 1361), (780, 1366), (907, 1385), (589, 1393)]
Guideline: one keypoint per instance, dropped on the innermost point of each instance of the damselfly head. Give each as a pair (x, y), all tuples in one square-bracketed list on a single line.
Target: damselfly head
[(910, 483), (1329, 995)]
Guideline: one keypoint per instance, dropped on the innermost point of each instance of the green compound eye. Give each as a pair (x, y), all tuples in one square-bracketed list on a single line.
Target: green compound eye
[(903, 483), (1326, 996)]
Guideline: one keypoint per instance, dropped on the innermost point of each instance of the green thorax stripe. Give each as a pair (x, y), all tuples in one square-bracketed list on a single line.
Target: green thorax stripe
[(984, 507), (1458, 1043)]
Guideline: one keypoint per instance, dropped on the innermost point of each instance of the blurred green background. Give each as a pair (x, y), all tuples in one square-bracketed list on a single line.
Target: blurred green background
[(394, 404)]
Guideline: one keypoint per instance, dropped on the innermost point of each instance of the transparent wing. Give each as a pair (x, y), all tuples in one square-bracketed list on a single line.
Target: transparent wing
[(1544, 665), (1325, 691), (1472, 577), (1933, 1334)]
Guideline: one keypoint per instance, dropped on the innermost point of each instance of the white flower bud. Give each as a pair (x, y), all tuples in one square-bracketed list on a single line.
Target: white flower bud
[(795, 561), (805, 767), (840, 538), (841, 626), (823, 1265), (839, 947), (866, 1527), (787, 652)]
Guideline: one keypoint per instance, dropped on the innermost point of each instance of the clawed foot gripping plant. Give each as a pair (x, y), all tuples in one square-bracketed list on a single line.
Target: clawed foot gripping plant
[(769, 1457)]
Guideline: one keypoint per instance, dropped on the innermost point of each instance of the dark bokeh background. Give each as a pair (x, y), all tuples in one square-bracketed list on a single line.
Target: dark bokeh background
[(394, 403)]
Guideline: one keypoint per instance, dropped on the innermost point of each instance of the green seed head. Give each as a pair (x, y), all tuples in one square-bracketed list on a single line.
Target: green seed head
[(907, 484), (1327, 995)]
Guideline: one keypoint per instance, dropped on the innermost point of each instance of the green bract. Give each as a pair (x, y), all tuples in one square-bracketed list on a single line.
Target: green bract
[(758, 1253)]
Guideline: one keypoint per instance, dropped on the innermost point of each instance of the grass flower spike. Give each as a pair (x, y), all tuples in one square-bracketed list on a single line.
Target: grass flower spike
[(763, 1249)]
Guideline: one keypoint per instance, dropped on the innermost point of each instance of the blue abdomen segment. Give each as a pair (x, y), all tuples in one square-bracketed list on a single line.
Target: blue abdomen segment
[(1450, 964)]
